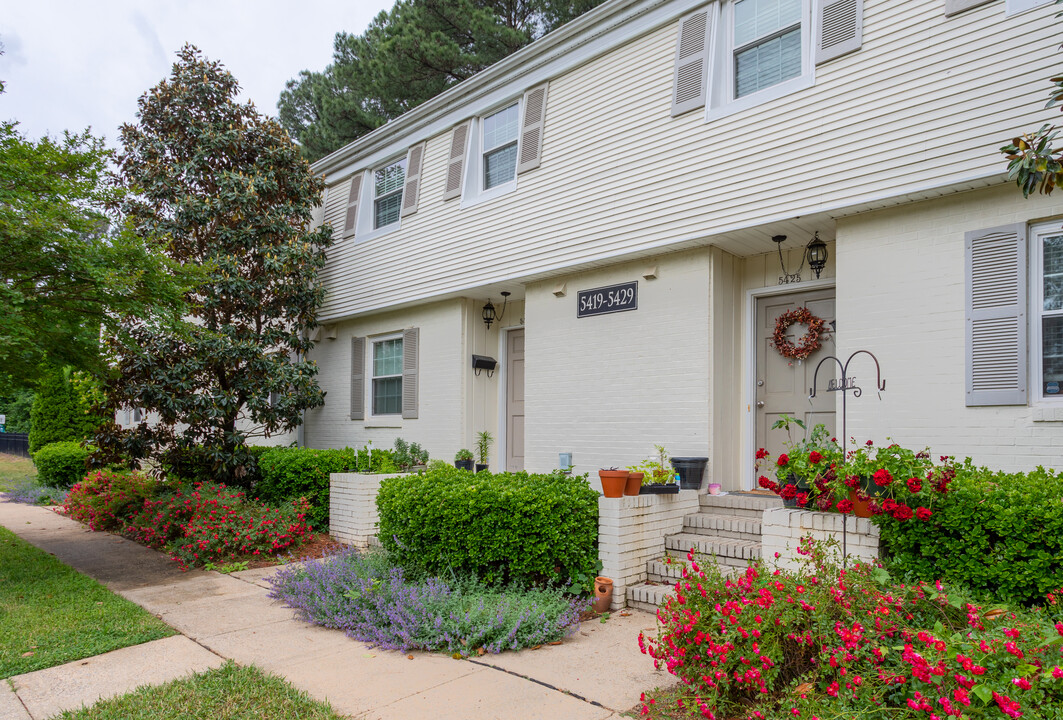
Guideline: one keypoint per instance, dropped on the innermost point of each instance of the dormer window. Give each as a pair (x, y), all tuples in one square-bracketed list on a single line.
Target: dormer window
[(500, 132), (767, 44), (388, 182)]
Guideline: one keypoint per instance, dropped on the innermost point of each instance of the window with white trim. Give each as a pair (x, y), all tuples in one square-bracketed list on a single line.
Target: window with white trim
[(386, 386), (498, 146), (388, 182), (1046, 258)]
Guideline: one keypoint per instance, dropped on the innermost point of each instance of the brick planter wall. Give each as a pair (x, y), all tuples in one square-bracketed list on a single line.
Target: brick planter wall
[(352, 513), (631, 532), (783, 528)]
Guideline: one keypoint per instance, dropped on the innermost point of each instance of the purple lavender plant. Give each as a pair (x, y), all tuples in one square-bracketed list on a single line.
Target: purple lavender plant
[(30, 492), (373, 601)]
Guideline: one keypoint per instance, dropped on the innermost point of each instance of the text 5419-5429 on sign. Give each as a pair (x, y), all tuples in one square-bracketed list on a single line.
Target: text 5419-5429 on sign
[(611, 299)]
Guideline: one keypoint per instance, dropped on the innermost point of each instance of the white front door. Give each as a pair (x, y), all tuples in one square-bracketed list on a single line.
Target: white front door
[(782, 384)]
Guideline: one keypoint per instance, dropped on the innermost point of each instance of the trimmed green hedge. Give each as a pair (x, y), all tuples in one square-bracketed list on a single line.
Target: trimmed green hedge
[(997, 533), (288, 473), (196, 464), (500, 527), (60, 464)]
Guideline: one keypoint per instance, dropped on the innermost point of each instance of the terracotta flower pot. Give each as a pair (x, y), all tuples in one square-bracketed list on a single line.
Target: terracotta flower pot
[(603, 594), (860, 507), (613, 482), (634, 483)]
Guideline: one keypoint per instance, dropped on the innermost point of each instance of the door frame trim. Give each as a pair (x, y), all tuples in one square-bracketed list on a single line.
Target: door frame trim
[(502, 446), (749, 445)]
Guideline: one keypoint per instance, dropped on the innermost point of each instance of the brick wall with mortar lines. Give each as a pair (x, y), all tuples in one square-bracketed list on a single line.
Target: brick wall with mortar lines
[(900, 285), (631, 532), (608, 387), (352, 507), (783, 528), (441, 364)]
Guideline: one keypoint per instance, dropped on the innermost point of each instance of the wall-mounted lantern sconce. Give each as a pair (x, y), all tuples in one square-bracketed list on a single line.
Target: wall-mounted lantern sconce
[(816, 251), (488, 312), (482, 362)]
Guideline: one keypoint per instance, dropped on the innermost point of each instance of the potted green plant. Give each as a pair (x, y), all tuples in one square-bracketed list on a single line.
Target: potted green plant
[(807, 469), (463, 459), (657, 477), (483, 448)]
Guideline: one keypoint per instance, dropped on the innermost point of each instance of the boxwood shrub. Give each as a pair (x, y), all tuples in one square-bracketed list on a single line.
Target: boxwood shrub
[(289, 473), (998, 533), (504, 527), (60, 464)]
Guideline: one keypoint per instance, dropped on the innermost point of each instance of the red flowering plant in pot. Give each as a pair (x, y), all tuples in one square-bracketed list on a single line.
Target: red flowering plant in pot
[(805, 472)]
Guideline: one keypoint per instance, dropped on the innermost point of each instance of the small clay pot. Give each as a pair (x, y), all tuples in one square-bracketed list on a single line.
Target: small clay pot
[(634, 483), (860, 507), (603, 594), (613, 482)]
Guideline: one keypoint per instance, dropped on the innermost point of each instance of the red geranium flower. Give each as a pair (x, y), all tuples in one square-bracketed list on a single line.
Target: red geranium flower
[(814, 457), (923, 513), (788, 492), (902, 512), (915, 484), (845, 506), (882, 477), (852, 481), (761, 454), (783, 460)]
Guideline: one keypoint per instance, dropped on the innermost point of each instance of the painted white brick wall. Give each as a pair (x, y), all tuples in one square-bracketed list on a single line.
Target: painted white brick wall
[(608, 387), (631, 532), (352, 510), (901, 296), (783, 528)]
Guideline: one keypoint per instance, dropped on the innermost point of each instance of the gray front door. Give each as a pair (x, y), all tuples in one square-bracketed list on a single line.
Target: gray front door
[(515, 400), (782, 384)]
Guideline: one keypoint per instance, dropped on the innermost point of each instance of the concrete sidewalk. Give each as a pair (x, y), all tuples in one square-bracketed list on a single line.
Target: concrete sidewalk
[(595, 675)]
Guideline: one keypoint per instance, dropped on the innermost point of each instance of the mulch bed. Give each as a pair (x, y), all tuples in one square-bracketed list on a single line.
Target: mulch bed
[(318, 546)]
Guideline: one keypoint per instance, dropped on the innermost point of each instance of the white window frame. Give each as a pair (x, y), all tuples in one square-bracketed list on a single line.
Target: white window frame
[(371, 413), (1037, 312), (474, 192), (721, 101), (367, 203)]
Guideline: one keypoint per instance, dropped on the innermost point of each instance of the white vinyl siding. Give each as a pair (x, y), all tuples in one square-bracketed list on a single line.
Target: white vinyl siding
[(844, 145), (388, 183), (1014, 7), (386, 386), (1047, 309), (499, 146)]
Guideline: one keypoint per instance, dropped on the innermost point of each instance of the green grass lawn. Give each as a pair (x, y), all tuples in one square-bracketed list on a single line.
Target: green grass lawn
[(51, 614), (228, 693), (13, 467)]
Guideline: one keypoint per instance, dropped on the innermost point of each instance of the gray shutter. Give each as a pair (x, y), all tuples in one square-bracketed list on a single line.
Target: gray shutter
[(357, 378), (336, 207), (841, 28), (995, 269), (412, 191), (531, 132), (459, 140), (953, 7), (691, 62), (410, 338), (350, 222)]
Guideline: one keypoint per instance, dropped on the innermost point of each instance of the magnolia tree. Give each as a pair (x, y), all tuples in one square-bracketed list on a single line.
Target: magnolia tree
[(223, 188)]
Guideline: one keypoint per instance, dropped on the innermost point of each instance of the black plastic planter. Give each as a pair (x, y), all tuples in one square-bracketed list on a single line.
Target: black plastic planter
[(481, 467), (463, 465), (691, 470), (659, 489)]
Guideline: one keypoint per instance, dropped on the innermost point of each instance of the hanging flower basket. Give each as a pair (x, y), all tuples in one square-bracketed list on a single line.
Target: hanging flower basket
[(809, 343)]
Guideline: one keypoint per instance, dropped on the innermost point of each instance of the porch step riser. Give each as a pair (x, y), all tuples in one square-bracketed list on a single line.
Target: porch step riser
[(739, 501), (731, 526), (649, 597), (722, 548)]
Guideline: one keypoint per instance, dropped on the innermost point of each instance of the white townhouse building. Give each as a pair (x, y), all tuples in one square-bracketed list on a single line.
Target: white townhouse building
[(623, 178)]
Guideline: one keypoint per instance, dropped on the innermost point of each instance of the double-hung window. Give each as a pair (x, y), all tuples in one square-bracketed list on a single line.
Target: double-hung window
[(767, 43), (387, 376), (1047, 307), (499, 146), (388, 182)]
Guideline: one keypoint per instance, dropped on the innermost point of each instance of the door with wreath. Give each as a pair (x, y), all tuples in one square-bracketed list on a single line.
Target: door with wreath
[(788, 348)]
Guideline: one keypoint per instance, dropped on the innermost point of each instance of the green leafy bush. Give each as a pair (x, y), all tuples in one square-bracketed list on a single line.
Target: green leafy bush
[(997, 533), (60, 464), (62, 409), (198, 464), (290, 473), (105, 500), (505, 527)]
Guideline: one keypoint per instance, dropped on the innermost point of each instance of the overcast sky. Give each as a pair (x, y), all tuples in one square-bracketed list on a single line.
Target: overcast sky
[(70, 64)]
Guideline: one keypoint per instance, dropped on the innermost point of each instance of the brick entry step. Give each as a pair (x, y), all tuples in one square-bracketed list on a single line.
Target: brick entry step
[(727, 526)]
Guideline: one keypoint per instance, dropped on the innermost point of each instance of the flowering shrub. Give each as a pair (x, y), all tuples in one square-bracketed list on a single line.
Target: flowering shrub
[(828, 642), (211, 523), (374, 601), (104, 499)]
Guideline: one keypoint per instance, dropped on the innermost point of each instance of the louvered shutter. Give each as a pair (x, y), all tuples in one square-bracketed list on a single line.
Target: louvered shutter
[(317, 215), (412, 190), (531, 132), (410, 338), (691, 62), (841, 28), (357, 378), (995, 268), (350, 222), (953, 7), (336, 207), (459, 140)]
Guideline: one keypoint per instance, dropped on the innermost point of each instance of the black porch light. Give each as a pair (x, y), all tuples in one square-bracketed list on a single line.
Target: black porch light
[(816, 253), (488, 313)]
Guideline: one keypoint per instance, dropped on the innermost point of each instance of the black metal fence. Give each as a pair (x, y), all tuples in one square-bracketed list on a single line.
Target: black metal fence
[(15, 444)]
